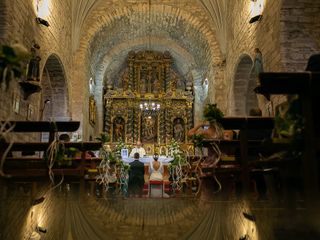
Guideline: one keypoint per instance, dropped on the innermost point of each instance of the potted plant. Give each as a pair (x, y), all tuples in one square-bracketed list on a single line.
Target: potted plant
[(214, 115), (289, 125), (12, 59)]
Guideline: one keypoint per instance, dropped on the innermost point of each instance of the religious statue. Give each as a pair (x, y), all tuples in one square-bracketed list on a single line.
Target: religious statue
[(92, 110), (118, 129), (125, 80), (258, 63), (174, 81), (178, 131), (143, 85), (257, 68), (156, 85), (149, 128), (33, 72)]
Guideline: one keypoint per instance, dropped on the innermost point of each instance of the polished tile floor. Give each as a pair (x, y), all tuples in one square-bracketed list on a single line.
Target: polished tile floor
[(84, 211)]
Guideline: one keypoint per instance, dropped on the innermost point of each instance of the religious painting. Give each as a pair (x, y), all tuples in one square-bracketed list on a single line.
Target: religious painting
[(163, 151), (92, 110), (179, 130), (118, 129), (124, 153), (149, 149), (149, 129)]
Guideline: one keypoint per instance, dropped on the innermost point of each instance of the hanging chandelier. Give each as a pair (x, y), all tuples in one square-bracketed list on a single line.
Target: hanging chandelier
[(150, 107)]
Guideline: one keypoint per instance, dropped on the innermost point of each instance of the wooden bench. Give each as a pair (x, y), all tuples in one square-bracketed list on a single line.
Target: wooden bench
[(242, 150), (306, 85), (36, 166)]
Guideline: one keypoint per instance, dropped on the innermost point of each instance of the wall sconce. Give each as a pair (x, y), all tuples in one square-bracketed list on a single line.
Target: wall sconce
[(256, 9), (37, 201), (41, 229), (250, 217), (42, 21)]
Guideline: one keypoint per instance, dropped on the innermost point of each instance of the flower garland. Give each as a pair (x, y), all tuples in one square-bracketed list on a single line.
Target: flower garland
[(176, 165), (5, 128), (112, 169)]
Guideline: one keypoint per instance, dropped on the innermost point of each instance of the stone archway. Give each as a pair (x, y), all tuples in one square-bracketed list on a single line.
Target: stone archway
[(244, 83), (54, 104)]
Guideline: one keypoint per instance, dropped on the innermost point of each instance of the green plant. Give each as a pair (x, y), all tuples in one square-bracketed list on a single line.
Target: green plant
[(197, 140), (12, 63), (212, 113), (289, 126), (104, 137), (179, 157), (63, 156)]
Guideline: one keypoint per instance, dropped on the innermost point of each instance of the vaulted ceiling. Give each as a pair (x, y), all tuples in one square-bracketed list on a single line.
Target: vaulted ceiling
[(193, 31)]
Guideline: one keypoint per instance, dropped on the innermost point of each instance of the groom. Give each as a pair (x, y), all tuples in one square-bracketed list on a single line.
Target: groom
[(136, 176)]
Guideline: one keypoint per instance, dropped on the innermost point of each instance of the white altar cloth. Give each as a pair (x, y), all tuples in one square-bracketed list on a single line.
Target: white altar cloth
[(148, 159)]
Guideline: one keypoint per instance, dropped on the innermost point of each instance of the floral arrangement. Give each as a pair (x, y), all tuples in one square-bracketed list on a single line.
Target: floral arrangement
[(214, 116), (176, 165), (175, 151), (112, 168), (13, 61)]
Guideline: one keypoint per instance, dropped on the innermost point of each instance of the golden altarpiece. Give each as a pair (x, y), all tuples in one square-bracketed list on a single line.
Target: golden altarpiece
[(148, 80)]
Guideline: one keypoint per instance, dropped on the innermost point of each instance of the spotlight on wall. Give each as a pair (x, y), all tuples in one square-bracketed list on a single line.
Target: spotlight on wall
[(256, 9), (42, 21)]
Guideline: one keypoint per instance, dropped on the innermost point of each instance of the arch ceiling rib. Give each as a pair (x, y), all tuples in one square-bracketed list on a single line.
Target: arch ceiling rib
[(192, 34), (80, 11), (217, 9)]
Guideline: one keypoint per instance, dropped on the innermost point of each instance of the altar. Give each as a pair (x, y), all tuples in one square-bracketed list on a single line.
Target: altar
[(148, 100), (147, 159)]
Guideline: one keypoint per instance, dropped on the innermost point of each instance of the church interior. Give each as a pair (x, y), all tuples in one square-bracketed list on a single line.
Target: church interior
[(221, 95)]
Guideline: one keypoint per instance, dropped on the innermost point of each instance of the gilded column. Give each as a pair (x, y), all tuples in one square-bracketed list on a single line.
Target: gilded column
[(162, 125), (168, 124), (107, 116), (131, 85), (189, 111), (130, 123)]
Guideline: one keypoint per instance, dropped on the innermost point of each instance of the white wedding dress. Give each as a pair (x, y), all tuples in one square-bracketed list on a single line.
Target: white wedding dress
[(156, 175)]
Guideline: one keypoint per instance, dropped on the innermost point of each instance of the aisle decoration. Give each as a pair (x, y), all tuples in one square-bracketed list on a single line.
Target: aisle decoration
[(176, 165), (122, 168), (112, 170)]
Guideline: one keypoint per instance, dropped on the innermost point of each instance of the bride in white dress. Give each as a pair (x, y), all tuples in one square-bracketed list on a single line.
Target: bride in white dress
[(156, 169), (156, 174)]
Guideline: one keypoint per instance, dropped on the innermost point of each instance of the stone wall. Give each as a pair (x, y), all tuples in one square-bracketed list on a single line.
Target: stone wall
[(287, 35), (244, 37), (300, 33), (20, 26)]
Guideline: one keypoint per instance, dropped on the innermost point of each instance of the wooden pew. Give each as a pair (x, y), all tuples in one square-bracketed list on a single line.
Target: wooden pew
[(306, 85), (240, 148), (37, 166)]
